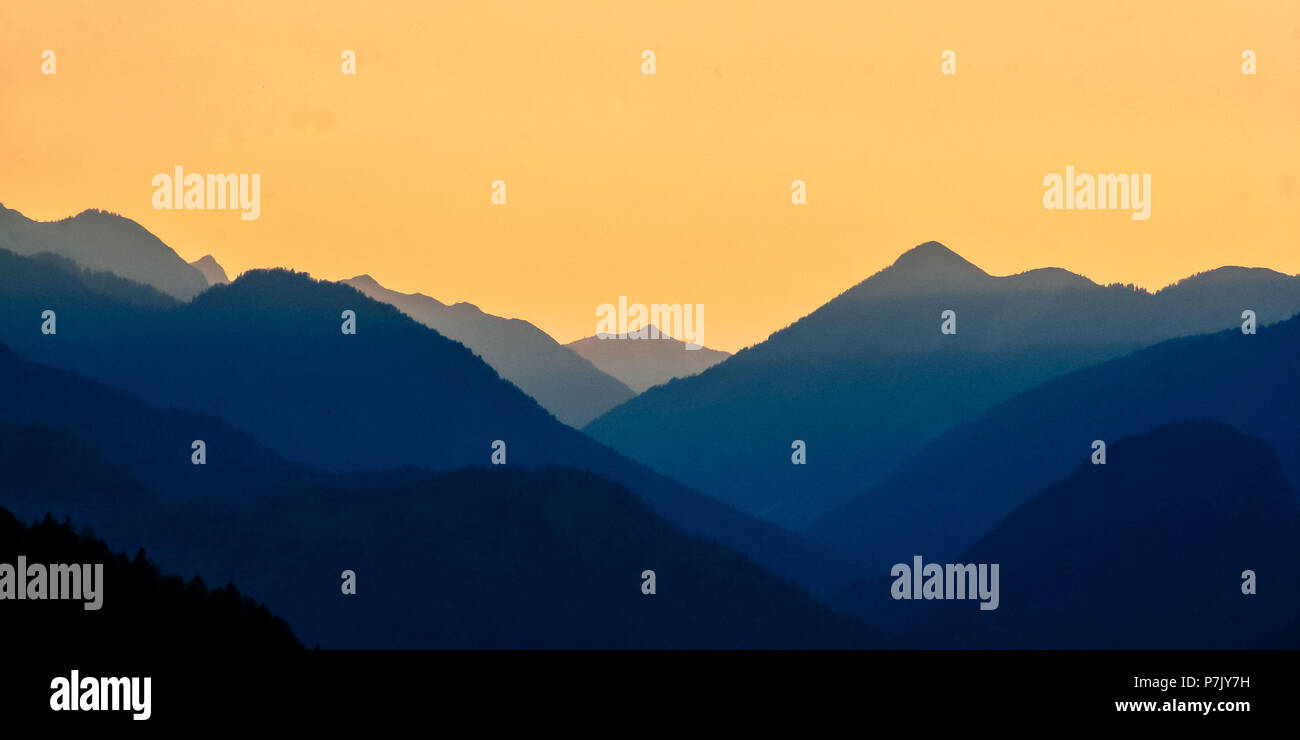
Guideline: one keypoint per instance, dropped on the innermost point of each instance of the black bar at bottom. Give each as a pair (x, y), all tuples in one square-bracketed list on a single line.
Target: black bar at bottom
[(919, 689)]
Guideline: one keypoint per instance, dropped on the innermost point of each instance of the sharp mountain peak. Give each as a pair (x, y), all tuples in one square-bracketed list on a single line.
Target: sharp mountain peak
[(212, 270), (933, 257)]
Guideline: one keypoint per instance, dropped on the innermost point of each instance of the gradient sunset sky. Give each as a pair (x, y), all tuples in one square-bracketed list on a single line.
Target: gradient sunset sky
[(671, 188)]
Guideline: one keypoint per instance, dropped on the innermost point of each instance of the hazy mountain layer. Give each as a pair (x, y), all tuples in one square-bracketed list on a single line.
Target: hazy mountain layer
[(486, 558), (1147, 551), (870, 378), (954, 490), (98, 240), (642, 363), (267, 353), (564, 383)]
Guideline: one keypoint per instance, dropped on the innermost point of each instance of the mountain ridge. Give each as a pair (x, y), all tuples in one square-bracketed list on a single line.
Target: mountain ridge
[(1147, 551), (104, 241), (953, 489), (643, 363), (870, 377), (267, 354), (471, 558), (212, 271), (568, 385)]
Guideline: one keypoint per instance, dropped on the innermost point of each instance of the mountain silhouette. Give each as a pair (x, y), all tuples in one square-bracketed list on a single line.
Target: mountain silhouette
[(564, 383), (642, 363), (930, 268), (154, 445), (1147, 551), (868, 379), (139, 605), (213, 272), (63, 276), (955, 489), (102, 241), (481, 558), (266, 353)]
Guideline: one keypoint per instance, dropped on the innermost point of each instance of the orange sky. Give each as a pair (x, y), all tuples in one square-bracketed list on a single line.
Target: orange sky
[(673, 187)]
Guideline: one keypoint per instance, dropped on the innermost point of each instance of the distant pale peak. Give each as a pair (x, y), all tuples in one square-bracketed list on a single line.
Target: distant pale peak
[(212, 271), (365, 279), (933, 258)]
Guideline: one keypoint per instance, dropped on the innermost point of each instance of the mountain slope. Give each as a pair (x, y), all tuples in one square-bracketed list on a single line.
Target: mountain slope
[(1147, 551), (139, 605), (947, 495), (642, 363), (267, 354), (67, 276), (213, 272), (98, 240), (868, 379), (564, 383), (153, 445), (487, 558)]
